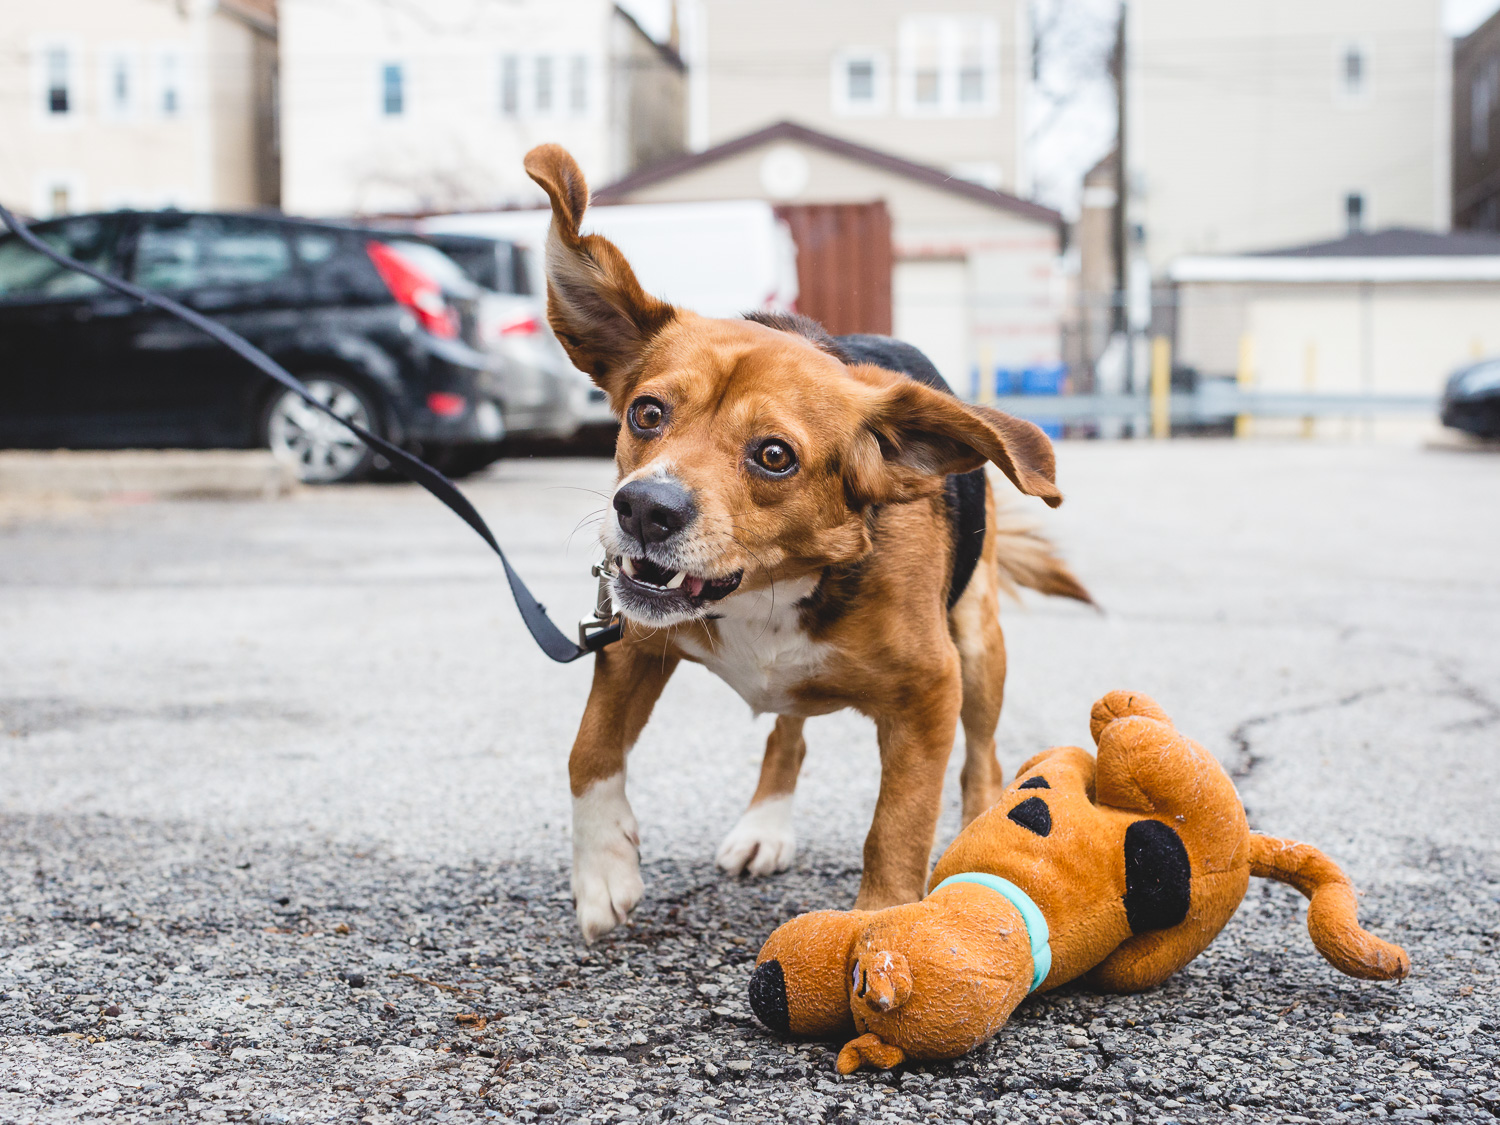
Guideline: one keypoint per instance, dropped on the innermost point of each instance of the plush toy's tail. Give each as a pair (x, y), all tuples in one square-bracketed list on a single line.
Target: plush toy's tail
[(1332, 912)]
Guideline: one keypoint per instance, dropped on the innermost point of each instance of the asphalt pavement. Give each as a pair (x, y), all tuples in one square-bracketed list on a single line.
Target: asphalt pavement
[(284, 810)]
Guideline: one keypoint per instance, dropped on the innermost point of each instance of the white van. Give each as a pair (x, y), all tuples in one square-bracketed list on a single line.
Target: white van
[(718, 259)]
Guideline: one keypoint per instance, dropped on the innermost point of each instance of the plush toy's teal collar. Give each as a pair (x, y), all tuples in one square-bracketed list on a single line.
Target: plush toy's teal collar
[(1031, 915)]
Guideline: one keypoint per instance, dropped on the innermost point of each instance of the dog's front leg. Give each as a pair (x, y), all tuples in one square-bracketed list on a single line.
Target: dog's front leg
[(762, 842), (606, 841), (915, 742)]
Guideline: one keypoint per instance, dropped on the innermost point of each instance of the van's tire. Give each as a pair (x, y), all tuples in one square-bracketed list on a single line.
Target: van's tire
[(318, 449)]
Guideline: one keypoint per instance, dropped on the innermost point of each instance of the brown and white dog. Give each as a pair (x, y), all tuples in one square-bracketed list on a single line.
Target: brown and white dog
[(781, 517)]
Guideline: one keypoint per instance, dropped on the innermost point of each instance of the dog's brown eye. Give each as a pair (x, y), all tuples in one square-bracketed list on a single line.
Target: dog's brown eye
[(646, 414), (775, 457)]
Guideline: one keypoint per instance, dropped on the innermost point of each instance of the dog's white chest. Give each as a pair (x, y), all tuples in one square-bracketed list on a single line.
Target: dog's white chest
[(761, 650)]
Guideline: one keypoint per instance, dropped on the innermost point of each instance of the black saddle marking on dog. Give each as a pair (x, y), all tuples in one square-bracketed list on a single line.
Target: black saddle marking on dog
[(1034, 783), (768, 997), (1158, 877), (1033, 815)]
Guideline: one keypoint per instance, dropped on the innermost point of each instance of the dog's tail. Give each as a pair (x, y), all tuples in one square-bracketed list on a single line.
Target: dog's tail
[(1332, 909), (1027, 558)]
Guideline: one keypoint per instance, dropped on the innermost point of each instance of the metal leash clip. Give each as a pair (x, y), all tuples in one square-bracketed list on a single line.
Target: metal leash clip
[(605, 617)]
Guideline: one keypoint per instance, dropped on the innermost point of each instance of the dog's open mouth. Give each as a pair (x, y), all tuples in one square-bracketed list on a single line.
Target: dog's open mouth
[(673, 587)]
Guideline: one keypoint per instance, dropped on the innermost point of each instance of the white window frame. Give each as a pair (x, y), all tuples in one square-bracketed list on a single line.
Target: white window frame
[(950, 32), (382, 69), (554, 69), (1342, 94), (169, 72), (521, 69), (47, 181), (574, 65), (42, 52), (880, 65), (111, 58)]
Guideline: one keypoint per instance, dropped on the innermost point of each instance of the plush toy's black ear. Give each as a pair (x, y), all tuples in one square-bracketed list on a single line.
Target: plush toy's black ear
[(596, 307)]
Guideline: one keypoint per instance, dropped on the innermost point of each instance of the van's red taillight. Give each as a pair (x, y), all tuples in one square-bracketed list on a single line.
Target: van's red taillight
[(415, 290)]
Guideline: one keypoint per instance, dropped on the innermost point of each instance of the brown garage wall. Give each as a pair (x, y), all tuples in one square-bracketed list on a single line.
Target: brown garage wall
[(844, 263)]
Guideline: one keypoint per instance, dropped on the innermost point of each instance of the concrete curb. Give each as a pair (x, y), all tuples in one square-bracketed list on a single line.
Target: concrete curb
[(156, 473)]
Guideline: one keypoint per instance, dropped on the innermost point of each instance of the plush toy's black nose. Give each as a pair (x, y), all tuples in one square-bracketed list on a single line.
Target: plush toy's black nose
[(653, 510), (768, 997)]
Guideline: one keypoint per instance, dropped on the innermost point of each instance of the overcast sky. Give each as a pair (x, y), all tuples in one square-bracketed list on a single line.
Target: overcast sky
[(1082, 132)]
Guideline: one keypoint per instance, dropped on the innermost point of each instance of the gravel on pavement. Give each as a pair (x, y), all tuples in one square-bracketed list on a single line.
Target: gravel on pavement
[(284, 811)]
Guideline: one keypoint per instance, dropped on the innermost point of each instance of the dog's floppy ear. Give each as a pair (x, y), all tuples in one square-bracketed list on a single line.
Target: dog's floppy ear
[(921, 435), (596, 307)]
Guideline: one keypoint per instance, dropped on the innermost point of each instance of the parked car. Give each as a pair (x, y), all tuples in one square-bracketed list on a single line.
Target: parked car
[(1471, 400), (382, 327), (546, 397)]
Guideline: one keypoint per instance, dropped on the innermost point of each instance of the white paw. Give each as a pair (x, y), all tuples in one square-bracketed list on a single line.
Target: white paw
[(606, 859), (762, 842)]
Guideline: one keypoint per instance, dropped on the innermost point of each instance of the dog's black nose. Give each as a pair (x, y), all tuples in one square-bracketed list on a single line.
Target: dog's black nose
[(653, 510), (768, 997)]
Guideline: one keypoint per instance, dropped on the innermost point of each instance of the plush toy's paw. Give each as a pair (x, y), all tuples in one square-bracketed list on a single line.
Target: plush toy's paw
[(762, 842), (606, 864), (872, 1050)]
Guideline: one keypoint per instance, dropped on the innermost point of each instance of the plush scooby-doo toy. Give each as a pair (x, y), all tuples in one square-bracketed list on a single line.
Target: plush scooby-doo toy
[(1121, 871)]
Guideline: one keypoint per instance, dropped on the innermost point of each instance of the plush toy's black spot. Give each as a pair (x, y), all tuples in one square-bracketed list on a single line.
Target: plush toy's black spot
[(1033, 815), (768, 997), (1034, 783), (1158, 877)]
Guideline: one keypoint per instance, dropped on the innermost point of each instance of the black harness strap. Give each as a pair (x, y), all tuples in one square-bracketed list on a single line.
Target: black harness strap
[(552, 640), (965, 493)]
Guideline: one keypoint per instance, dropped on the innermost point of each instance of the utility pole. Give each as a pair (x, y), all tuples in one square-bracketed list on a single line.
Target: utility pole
[(1121, 229)]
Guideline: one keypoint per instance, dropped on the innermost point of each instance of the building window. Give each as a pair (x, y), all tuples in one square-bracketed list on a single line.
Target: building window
[(578, 85), (543, 92), (860, 82), (1354, 212), (392, 90), (950, 66), (58, 97), (169, 83), (1353, 77), (118, 91), (1484, 100), (510, 86)]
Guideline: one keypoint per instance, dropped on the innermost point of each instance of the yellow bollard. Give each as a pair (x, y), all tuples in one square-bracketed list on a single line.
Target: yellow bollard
[(1244, 379), (1161, 387)]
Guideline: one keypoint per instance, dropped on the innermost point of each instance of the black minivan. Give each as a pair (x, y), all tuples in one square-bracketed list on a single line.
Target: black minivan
[(379, 325)]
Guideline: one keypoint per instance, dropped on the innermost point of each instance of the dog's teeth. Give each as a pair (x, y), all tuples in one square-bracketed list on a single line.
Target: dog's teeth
[(677, 580), (627, 566)]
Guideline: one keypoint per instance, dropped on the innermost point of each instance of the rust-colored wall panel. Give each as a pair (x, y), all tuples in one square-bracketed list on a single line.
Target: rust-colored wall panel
[(844, 263)]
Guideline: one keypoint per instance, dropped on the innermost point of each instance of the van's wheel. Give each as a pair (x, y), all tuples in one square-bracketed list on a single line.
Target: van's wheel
[(319, 450)]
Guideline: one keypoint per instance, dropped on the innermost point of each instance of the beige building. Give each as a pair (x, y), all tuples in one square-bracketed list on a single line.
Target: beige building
[(943, 85), (1282, 122), (1389, 313), (975, 282), (431, 107), (138, 103)]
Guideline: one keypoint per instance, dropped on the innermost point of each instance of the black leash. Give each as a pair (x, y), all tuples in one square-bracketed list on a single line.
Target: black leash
[(553, 641)]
